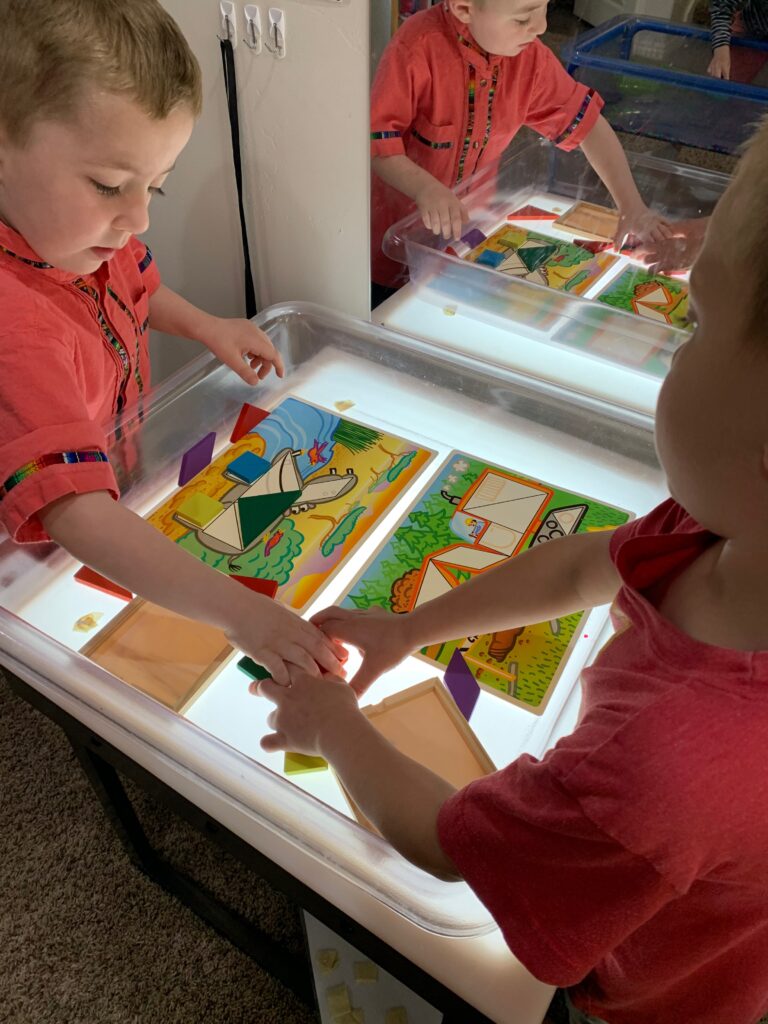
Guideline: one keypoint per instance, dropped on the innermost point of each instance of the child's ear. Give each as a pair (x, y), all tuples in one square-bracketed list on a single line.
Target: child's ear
[(461, 9)]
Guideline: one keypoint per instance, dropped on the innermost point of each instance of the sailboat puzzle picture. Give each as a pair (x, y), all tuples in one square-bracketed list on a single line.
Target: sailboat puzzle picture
[(291, 500), (473, 516)]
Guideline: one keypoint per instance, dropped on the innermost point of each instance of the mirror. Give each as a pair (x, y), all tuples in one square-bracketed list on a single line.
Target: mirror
[(654, 72)]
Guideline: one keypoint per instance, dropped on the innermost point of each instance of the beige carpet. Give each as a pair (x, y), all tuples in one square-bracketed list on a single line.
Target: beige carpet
[(85, 938)]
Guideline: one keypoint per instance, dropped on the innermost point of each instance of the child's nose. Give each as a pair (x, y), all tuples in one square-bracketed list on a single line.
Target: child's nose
[(134, 214), (540, 23)]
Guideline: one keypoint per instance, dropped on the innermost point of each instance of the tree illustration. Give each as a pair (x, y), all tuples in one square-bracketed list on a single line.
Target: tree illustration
[(342, 530), (403, 463), (355, 437)]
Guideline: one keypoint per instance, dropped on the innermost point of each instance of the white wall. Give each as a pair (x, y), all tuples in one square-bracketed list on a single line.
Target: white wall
[(304, 128)]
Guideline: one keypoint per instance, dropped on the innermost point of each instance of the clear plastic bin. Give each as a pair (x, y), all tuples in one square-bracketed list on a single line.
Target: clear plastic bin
[(407, 387), (652, 75), (616, 315)]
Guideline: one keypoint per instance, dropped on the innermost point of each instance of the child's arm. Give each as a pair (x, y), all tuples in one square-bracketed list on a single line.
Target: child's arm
[(321, 716), (604, 152), (114, 541), (542, 583), (236, 342), (440, 210), (720, 17)]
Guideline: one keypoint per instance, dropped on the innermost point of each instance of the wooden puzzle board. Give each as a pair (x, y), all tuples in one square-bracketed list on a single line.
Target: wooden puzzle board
[(471, 516), (424, 723), (165, 655)]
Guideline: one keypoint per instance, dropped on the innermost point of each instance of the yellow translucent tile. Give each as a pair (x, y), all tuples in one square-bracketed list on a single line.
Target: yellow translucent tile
[(337, 1000), (296, 764), (365, 971), (198, 510), (396, 1015), (355, 1016), (327, 960)]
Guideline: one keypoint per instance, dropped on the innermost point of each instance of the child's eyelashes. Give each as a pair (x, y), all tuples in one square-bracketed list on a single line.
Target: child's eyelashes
[(115, 190)]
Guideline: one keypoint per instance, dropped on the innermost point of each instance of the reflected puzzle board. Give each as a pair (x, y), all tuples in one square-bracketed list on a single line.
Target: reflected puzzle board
[(165, 655), (472, 516), (661, 300), (588, 220), (424, 723), (653, 357), (292, 499), (552, 262)]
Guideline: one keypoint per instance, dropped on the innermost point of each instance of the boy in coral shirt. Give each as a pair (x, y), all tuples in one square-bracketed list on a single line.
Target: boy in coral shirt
[(97, 100), (452, 89), (629, 864)]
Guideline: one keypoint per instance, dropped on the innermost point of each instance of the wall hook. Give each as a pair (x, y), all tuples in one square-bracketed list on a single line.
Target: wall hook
[(252, 37), (228, 24), (276, 32)]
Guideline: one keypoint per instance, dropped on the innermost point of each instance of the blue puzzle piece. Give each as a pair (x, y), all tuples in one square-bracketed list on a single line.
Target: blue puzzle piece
[(489, 258), (248, 467)]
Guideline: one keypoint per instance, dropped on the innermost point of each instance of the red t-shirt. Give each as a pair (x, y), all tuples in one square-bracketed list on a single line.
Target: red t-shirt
[(452, 108), (74, 353), (631, 862)]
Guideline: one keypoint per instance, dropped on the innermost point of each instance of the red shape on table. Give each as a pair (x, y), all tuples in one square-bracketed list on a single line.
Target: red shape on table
[(249, 416), (531, 213), (94, 579), (266, 587), (593, 247)]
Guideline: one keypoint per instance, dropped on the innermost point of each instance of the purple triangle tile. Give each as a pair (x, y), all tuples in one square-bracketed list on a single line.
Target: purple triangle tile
[(461, 684), (196, 458)]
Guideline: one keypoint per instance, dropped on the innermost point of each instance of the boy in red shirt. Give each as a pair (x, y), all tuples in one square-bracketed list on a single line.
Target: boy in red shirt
[(629, 864), (452, 89), (97, 101)]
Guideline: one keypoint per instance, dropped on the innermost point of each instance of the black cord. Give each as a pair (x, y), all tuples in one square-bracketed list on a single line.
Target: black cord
[(230, 85)]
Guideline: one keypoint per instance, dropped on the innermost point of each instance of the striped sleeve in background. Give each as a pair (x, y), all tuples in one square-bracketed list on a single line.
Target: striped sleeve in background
[(755, 14), (721, 14)]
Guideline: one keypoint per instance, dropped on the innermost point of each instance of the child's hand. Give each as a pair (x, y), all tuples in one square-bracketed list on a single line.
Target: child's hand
[(720, 65), (306, 711), (440, 210), (243, 347), (280, 640), (678, 253), (640, 225), (381, 637)]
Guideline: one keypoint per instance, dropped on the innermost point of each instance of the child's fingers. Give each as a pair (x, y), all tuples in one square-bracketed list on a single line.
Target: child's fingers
[(276, 667), (363, 679), (273, 741)]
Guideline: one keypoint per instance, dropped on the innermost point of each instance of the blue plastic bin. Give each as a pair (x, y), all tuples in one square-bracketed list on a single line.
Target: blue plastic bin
[(652, 75)]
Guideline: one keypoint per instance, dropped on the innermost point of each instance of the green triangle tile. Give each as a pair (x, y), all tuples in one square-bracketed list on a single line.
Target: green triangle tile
[(534, 256), (260, 511), (252, 670)]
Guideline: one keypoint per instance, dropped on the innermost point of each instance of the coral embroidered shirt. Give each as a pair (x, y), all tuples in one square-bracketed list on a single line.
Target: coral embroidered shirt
[(452, 108), (631, 862), (73, 354)]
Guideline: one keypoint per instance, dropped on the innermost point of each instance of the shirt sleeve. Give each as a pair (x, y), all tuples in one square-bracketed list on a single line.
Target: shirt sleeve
[(394, 97), (721, 14), (564, 892), (560, 109), (145, 261), (49, 446)]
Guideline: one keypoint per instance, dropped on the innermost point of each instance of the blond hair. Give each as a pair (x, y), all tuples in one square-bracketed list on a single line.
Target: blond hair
[(51, 52), (746, 243)]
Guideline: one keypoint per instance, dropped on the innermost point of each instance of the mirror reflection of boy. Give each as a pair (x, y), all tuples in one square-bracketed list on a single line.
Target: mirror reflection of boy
[(628, 865), (453, 87), (97, 100)]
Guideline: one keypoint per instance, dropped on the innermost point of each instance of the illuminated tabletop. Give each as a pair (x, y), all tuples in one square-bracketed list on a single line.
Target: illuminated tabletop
[(441, 402)]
